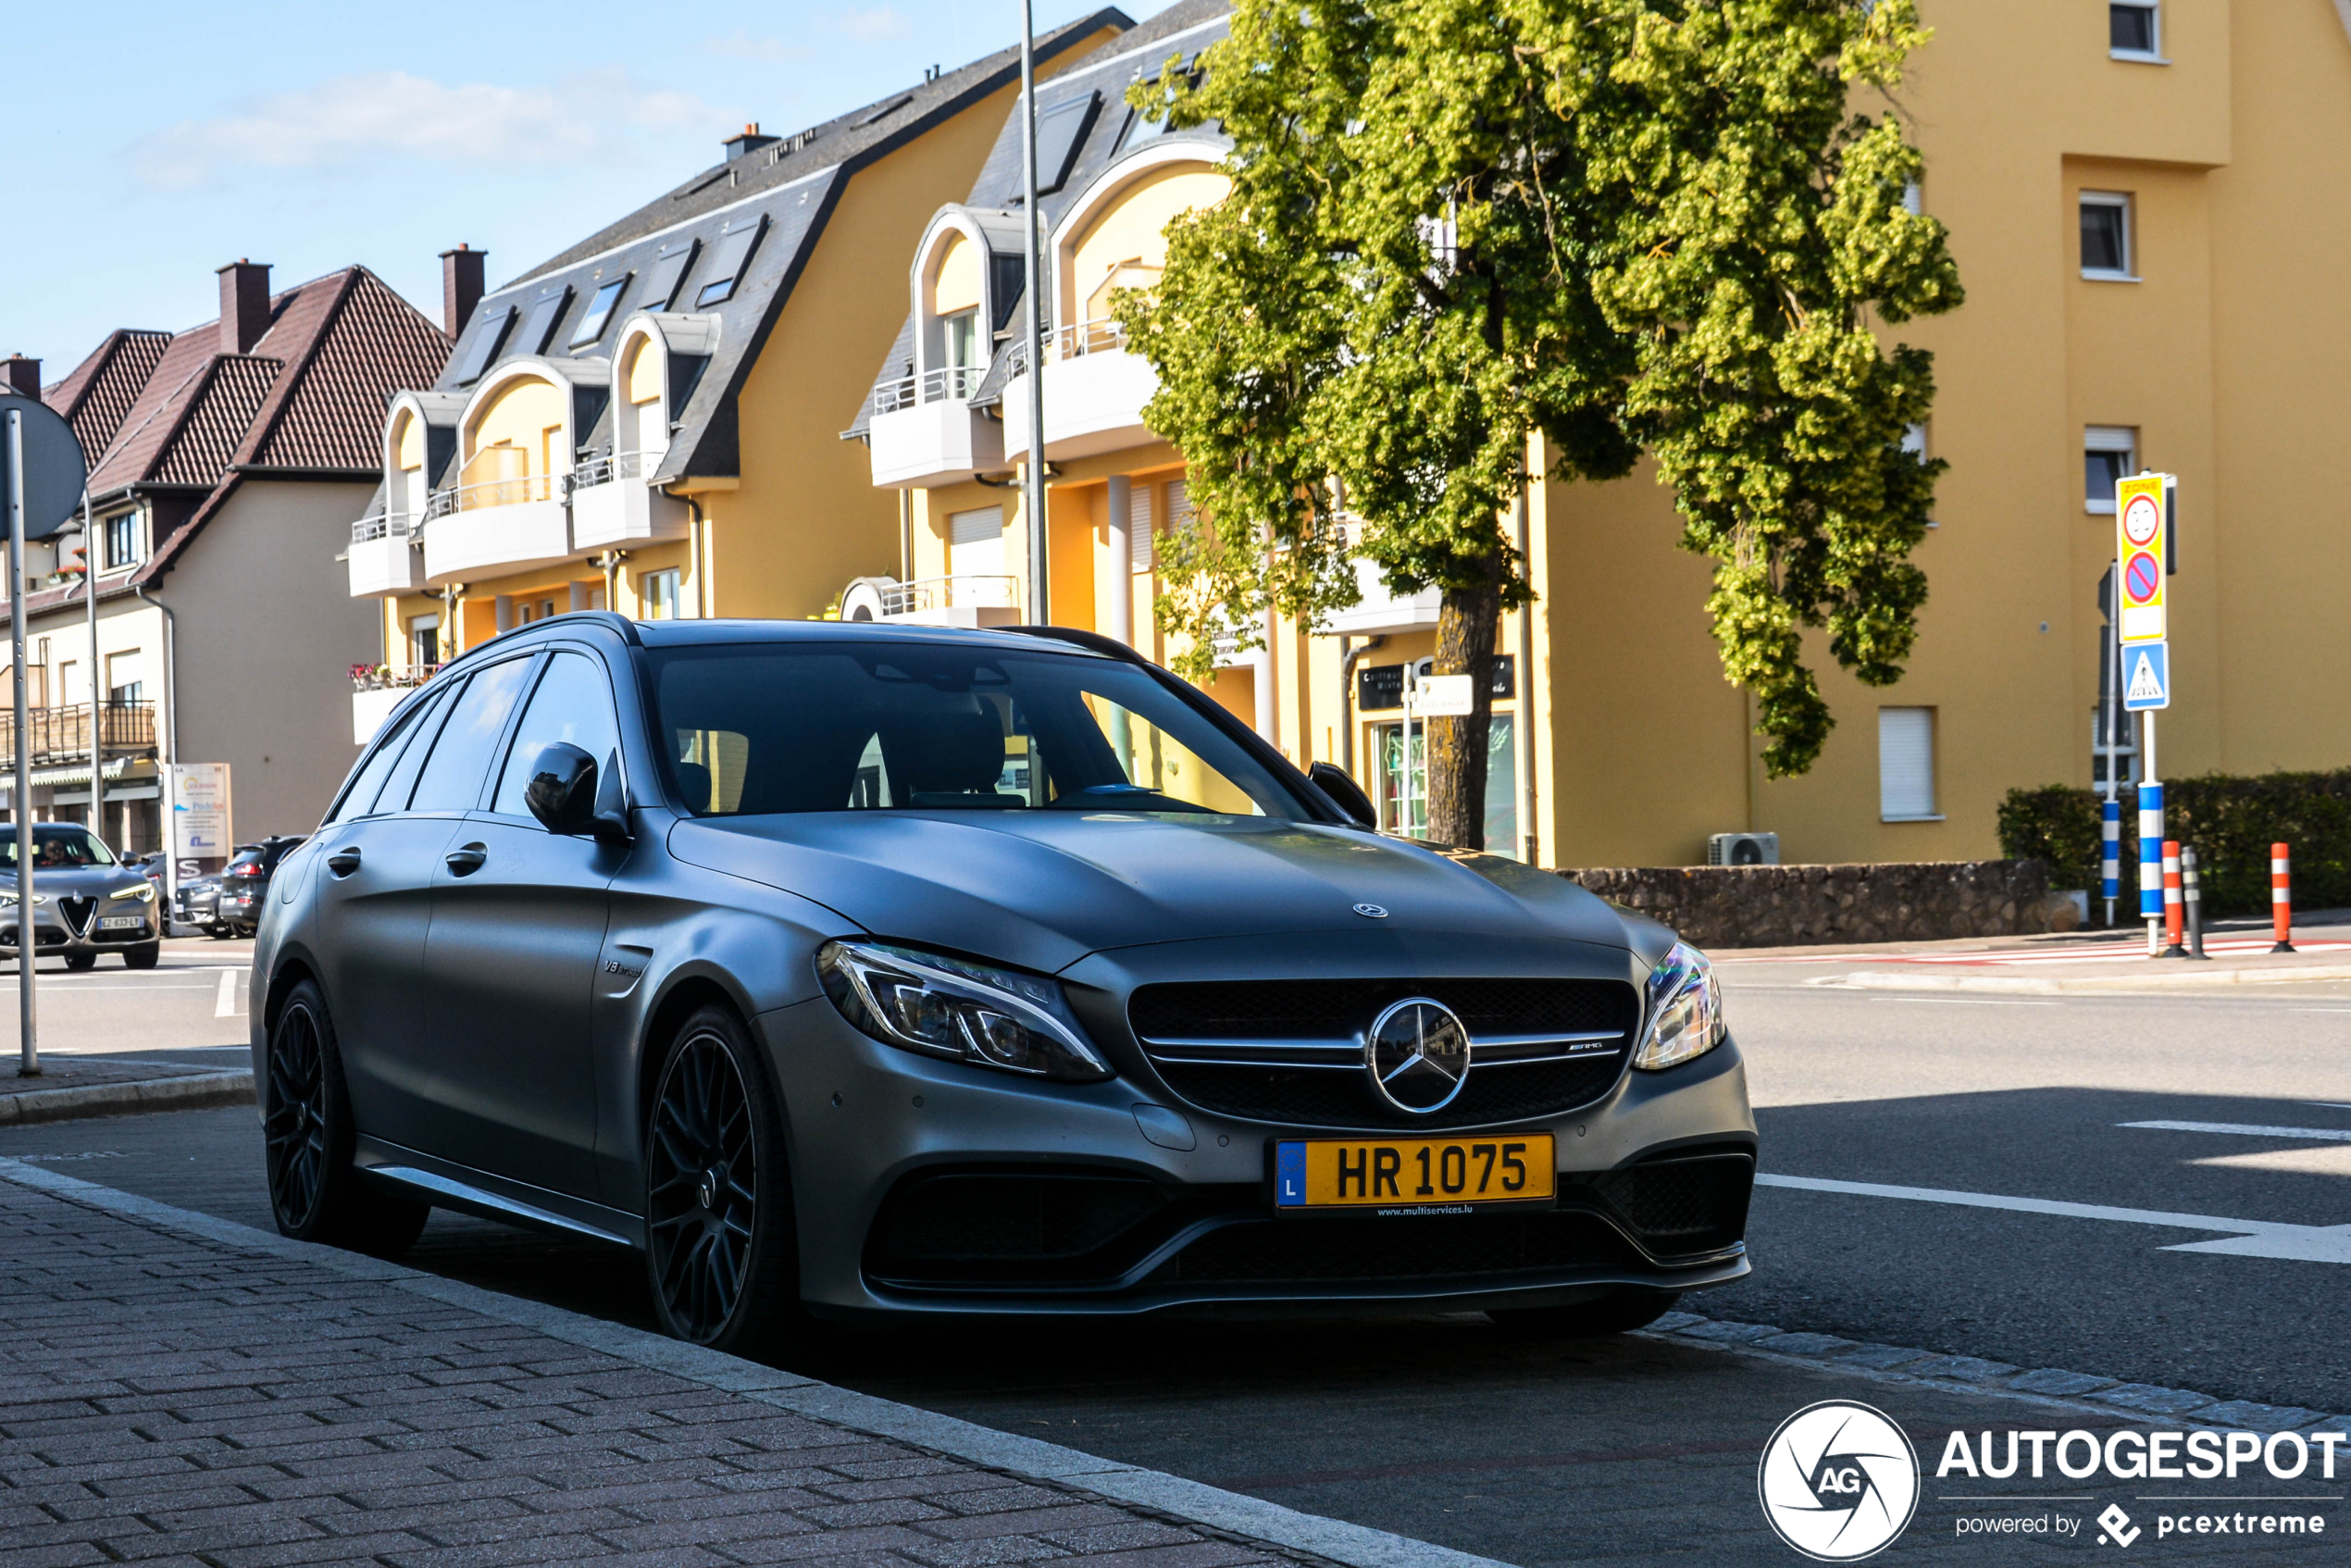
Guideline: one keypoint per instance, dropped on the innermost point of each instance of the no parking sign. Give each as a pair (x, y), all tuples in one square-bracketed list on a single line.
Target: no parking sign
[(2141, 522)]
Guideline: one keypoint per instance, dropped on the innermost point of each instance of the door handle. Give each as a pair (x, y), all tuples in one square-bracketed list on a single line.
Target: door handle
[(343, 862), (465, 861)]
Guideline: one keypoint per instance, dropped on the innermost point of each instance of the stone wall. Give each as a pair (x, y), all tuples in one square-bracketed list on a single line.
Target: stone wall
[(1804, 905)]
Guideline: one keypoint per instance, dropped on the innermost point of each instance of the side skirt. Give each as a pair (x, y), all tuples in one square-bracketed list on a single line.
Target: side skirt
[(446, 1185)]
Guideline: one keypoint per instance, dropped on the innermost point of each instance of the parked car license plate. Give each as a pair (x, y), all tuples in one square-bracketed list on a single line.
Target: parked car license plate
[(1412, 1173), (122, 922)]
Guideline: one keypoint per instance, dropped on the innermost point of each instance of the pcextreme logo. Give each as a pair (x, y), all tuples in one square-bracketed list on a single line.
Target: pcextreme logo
[(1838, 1481)]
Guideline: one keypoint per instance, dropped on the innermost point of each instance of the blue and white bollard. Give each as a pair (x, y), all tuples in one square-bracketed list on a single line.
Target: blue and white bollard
[(2111, 870)]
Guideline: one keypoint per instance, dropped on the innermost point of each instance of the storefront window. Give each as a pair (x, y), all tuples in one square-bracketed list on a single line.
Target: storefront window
[(1401, 792)]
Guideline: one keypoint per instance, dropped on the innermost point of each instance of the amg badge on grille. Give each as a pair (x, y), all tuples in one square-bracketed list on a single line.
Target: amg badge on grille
[(1418, 1055)]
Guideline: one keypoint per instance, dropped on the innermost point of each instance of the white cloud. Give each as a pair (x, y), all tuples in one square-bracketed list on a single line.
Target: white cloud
[(872, 26), (372, 116)]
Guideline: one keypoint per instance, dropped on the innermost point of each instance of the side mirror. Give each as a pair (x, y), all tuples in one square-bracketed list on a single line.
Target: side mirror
[(1345, 793), (562, 792)]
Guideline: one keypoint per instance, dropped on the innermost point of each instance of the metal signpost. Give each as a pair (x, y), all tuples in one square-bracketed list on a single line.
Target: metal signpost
[(1033, 492), (1427, 697), (2143, 531), (45, 473)]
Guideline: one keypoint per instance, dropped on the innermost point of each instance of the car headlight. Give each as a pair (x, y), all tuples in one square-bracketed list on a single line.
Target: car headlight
[(968, 1012), (38, 898), (144, 893), (1684, 1011)]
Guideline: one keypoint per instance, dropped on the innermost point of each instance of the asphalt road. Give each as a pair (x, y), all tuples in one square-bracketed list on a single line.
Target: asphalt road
[(1632, 1450)]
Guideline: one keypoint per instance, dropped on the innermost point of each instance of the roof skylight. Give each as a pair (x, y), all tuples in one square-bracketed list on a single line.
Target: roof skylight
[(727, 258), (663, 276), (490, 332), (540, 324), (593, 321), (1059, 128)]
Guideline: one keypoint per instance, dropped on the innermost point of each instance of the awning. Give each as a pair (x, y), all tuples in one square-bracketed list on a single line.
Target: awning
[(137, 769)]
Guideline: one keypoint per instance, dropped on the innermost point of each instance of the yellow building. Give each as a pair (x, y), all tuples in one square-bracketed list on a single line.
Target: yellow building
[(2144, 202), (648, 421)]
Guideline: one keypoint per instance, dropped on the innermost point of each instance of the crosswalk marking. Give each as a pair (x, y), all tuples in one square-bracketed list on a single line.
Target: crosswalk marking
[(225, 1006), (2247, 1129)]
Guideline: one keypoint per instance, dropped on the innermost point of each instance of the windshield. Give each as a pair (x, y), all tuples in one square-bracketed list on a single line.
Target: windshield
[(915, 727), (59, 846)]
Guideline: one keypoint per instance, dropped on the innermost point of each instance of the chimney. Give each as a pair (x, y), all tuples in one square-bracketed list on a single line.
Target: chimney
[(244, 305), (460, 286), (24, 376), (750, 141)]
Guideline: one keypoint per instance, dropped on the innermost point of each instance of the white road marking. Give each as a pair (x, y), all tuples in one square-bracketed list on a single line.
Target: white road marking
[(1972, 1000), (2307, 1159), (2243, 1129), (2248, 1238), (226, 1007)]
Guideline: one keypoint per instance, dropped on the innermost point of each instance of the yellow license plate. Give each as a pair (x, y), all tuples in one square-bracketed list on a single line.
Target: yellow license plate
[(1412, 1173)]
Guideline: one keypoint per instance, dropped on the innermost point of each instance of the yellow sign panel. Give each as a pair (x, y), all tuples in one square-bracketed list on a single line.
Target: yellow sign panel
[(2141, 521), (1396, 1173)]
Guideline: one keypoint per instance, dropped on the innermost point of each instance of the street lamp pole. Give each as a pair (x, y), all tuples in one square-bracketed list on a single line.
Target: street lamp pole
[(28, 1033), (97, 714), (1033, 492)]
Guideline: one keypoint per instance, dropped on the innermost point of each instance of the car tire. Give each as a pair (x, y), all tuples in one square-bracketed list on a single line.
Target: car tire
[(77, 962), (218, 933), (1619, 1311), (314, 1191), (141, 957), (721, 1252)]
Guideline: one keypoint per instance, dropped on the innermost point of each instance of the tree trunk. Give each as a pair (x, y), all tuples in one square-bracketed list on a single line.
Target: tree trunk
[(1467, 622)]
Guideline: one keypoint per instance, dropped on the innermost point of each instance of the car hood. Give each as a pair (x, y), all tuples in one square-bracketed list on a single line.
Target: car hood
[(1042, 889), (81, 883)]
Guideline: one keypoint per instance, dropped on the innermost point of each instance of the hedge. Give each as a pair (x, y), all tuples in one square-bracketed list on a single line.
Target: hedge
[(2231, 821)]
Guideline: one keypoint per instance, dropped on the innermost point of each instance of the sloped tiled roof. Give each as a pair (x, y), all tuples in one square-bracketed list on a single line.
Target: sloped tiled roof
[(97, 395), (329, 410), (788, 188), (220, 406)]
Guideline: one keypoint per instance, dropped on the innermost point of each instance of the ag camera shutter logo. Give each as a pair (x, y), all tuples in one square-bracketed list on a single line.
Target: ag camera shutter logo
[(1838, 1481)]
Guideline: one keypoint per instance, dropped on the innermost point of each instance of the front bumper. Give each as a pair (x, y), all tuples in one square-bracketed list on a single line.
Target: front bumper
[(54, 935), (876, 1133)]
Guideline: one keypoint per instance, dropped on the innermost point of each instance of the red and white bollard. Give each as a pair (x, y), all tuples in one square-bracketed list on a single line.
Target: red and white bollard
[(2175, 914), (2281, 896)]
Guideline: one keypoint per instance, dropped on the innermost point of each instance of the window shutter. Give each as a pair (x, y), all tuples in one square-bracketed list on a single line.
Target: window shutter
[(1905, 763), (1139, 529)]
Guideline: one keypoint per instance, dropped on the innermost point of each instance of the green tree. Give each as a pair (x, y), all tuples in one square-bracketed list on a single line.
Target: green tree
[(1624, 226)]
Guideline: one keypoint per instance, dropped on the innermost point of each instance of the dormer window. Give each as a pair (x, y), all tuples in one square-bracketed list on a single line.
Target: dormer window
[(598, 315), (121, 541), (956, 341)]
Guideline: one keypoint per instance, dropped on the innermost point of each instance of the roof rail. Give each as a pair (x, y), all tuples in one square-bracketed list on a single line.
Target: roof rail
[(1093, 642)]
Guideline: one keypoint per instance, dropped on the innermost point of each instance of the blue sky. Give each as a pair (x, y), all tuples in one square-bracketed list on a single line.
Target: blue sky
[(165, 140)]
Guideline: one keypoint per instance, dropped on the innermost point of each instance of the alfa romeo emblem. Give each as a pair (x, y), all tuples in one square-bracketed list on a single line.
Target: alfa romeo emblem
[(1418, 1055)]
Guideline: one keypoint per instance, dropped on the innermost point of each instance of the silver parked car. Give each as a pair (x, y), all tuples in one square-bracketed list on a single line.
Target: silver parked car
[(862, 971), (85, 901)]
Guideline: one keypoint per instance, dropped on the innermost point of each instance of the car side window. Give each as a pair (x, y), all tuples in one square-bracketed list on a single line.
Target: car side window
[(460, 761), (414, 734), (572, 703), (395, 794)]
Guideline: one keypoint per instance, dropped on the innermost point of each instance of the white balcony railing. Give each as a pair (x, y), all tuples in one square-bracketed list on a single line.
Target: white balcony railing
[(964, 592), (1101, 336), (612, 506), (616, 465), (387, 524), (948, 383), (494, 493), (382, 560)]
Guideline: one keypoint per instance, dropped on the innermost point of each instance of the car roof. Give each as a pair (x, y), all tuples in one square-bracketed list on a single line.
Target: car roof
[(719, 633)]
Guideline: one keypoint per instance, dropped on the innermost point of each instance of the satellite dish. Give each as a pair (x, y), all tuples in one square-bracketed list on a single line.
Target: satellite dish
[(55, 470)]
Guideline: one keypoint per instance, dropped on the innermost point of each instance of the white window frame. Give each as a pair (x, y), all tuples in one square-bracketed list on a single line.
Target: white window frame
[(2154, 57), (2129, 271), (2123, 439), (1933, 801)]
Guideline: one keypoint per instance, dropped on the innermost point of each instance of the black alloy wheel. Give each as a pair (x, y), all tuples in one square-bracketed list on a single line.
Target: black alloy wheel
[(718, 1211), (315, 1194)]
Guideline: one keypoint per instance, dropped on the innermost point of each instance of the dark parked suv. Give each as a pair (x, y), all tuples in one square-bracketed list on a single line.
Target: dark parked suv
[(870, 971), (243, 892)]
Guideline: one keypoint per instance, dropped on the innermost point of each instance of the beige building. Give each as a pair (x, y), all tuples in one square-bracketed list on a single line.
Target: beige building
[(2145, 204)]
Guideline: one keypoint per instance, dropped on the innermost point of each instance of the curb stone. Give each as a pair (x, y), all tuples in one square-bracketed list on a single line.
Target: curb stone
[(2049, 1387), (189, 1091), (1250, 1519)]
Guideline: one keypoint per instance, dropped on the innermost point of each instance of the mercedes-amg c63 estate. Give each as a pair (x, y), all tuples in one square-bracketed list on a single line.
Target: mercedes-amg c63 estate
[(850, 970)]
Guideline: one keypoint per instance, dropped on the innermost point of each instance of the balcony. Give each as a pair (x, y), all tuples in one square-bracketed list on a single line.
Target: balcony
[(497, 527), (383, 556), (612, 505), (923, 432), (62, 734), (1380, 611), (1094, 395), (966, 601), (376, 689)]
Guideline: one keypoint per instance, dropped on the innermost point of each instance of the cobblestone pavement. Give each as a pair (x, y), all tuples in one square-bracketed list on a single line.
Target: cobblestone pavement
[(166, 1398)]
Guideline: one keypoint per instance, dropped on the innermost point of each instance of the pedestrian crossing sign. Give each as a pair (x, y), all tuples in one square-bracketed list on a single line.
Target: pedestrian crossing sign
[(2147, 677)]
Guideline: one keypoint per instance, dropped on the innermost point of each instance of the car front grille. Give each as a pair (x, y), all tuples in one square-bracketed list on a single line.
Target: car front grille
[(78, 913), (1489, 1246), (1291, 1052)]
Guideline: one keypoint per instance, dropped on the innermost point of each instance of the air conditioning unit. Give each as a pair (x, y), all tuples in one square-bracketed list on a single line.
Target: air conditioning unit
[(1743, 849)]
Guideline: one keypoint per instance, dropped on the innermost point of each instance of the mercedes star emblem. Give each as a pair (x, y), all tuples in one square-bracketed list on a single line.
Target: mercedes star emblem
[(1371, 912), (1418, 1055)]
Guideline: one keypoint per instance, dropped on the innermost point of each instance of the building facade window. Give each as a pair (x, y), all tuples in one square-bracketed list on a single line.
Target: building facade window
[(1906, 766), (2108, 254), (424, 641), (975, 542), (2134, 31), (123, 682), (121, 541), (2110, 454), (658, 593)]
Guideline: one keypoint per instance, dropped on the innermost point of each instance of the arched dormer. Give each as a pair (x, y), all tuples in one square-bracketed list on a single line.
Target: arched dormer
[(656, 362), (964, 283), (420, 435), (523, 427), (1115, 235)]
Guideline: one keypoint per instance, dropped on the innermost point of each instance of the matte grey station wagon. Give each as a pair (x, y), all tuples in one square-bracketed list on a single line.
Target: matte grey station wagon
[(857, 971)]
